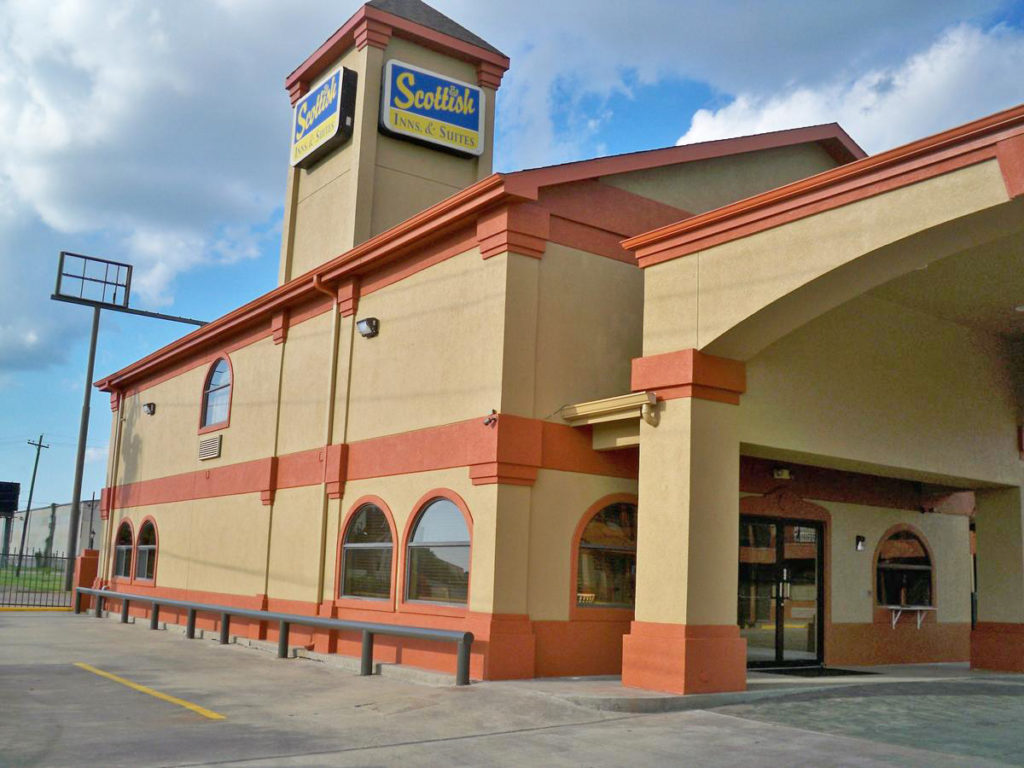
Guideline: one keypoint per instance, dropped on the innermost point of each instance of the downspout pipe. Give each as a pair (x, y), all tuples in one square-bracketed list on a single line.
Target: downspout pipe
[(332, 378)]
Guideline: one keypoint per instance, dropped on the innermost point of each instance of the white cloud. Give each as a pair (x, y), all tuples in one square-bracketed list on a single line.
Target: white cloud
[(96, 454), (967, 73)]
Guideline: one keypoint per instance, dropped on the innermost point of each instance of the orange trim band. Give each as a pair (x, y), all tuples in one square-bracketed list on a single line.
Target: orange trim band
[(690, 373), (998, 646), (509, 452), (684, 658), (957, 148), (1010, 154)]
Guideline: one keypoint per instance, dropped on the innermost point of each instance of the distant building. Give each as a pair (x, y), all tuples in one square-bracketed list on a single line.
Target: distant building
[(48, 529)]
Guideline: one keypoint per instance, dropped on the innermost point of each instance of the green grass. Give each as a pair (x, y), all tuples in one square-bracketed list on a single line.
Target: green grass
[(32, 579)]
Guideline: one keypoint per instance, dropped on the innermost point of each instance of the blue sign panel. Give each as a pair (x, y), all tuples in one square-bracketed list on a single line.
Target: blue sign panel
[(428, 107), (323, 117)]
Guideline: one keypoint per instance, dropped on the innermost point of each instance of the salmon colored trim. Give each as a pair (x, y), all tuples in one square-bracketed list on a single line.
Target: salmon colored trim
[(422, 606), (959, 147), (870, 644), (216, 427), (489, 75), (115, 402), (512, 452), (365, 603), (579, 648), (374, 33), (369, 25), (608, 208), (881, 616), (1010, 154), (998, 647), (838, 485), (135, 552), (684, 658), (583, 613), (690, 373), (430, 254), (589, 239), (279, 326), (522, 228), (830, 137), (348, 296)]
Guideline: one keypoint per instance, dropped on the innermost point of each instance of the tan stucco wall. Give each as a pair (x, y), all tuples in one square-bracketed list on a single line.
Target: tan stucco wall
[(740, 278), (294, 562), (877, 384), (167, 443), (706, 184), (853, 573), (589, 327), (213, 545), (557, 504), (305, 382), (437, 359), (320, 201), (1000, 524), (688, 530)]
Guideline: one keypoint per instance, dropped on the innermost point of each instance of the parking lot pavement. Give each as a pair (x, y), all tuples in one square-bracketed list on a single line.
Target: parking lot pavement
[(301, 713)]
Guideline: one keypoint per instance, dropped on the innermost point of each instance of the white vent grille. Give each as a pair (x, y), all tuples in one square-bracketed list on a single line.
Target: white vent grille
[(209, 448)]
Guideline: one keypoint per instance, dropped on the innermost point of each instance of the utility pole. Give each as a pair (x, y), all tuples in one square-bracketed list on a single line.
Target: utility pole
[(28, 508)]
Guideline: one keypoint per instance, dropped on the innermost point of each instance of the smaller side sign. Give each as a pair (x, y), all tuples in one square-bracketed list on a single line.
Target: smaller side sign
[(433, 109), (323, 118), (9, 498)]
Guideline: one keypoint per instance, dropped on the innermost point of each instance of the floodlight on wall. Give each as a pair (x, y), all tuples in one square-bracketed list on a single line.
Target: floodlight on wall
[(859, 543), (368, 327), (149, 408)]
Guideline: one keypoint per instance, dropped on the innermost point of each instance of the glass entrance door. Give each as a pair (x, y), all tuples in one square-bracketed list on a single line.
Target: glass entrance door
[(779, 607)]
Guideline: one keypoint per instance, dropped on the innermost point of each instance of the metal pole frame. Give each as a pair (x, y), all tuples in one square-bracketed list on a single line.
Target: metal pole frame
[(83, 435)]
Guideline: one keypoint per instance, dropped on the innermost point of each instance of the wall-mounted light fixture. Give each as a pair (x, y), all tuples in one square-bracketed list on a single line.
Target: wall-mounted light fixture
[(149, 408), (782, 473), (859, 543), (368, 327)]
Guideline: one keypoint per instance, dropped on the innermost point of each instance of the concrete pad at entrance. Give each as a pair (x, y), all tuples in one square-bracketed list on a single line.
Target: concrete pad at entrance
[(298, 712)]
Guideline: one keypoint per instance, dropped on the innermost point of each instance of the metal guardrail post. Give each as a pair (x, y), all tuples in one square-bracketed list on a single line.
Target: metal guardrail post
[(366, 661), (225, 628), (124, 610), (282, 640), (154, 616), (462, 660), (190, 624), (99, 606), (78, 601)]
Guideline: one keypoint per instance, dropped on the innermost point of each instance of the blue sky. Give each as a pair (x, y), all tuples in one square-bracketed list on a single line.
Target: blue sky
[(156, 133)]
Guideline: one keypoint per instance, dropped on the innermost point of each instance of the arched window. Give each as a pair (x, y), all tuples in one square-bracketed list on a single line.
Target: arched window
[(438, 555), (606, 574), (904, 572), (366, 555), (145, 557), (123, 551), (217, 394)]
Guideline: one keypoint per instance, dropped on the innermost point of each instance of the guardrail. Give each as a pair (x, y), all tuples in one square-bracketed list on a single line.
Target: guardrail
[(463, 640)]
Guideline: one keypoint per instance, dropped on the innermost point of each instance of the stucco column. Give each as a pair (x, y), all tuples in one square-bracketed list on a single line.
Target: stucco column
[(997, 642), (684, 638)]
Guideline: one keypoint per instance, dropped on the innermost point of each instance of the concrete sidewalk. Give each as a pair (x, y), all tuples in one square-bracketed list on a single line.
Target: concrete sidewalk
[(296, 712)]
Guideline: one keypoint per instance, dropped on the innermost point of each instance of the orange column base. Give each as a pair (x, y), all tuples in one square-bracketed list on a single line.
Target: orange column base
[(997, 647), (679, 658)]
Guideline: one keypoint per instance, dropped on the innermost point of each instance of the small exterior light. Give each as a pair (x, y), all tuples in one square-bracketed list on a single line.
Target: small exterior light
[(368, 327), (782, 473), (859, 543), (149, 408)]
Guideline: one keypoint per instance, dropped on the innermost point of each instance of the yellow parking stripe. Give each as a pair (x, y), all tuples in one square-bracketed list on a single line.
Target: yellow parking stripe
[(143, 689), (32, 608)]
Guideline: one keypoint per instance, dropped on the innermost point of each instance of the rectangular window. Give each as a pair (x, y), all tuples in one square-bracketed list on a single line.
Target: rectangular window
[(439, 574), (144, 562)]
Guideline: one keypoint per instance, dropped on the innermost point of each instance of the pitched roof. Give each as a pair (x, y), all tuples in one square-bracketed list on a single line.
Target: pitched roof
[(409, 236), (421, 13)]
